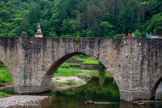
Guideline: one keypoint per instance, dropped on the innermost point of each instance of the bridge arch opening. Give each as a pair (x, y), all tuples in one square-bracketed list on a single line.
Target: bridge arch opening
[(6, 80), (101, 75), (156, 92)]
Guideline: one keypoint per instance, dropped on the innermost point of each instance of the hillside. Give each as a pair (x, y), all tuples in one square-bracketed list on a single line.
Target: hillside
[(89, 18)]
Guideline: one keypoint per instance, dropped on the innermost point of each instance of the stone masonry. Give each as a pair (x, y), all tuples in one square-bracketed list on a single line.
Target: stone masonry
[(135, 63)]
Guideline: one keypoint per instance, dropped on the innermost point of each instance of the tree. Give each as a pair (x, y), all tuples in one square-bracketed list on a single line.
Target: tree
[(126, 19), (137, 33), (69, 26), (106, 27), (52, 34), (90, 18), (156, 24)]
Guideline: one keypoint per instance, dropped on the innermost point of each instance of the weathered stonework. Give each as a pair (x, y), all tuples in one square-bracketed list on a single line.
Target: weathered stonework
[(135, 63)]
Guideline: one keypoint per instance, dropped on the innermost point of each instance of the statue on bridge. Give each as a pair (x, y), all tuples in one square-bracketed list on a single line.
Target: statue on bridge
[(38, 33)]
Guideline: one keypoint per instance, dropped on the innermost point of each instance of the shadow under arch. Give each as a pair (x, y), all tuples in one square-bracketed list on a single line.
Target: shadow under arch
[(49, 74), (153, 91)]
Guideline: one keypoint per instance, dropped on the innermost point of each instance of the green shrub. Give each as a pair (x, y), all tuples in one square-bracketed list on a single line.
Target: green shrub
[(1, 64), (5, 76), (117, 36), (137, 33), (6, 93), (77, 39), (65, 65), (68, 72), (67, 35)]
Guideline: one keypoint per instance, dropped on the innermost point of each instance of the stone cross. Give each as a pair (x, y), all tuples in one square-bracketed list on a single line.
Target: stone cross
[(23, 26), (23, 32)]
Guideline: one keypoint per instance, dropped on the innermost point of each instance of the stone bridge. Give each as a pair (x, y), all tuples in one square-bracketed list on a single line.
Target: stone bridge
[(135, 63)]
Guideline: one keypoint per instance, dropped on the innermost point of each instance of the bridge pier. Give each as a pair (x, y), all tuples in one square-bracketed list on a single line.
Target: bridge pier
[(131, 96), (32, 90)]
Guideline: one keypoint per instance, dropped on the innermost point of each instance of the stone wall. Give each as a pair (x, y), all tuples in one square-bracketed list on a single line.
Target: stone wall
[(89, 66), (135, 63)]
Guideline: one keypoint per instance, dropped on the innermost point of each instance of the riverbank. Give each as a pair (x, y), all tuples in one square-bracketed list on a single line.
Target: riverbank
[(64, 83), (21, 100), (64, 71), (59, 83)]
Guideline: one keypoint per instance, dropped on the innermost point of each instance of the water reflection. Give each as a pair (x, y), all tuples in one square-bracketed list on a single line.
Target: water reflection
[(101, 76), (100, 88)]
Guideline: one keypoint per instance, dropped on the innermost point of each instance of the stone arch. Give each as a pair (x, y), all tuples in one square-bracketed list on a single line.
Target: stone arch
[(155, 86), (49, 74)]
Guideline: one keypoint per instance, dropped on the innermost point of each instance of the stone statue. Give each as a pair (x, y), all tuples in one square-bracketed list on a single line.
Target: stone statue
[(38, 33), (38, 28)]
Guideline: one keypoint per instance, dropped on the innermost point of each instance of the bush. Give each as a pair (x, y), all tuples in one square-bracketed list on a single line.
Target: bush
[(117, 36), (65, 65), (77, 39), (137, 33), (67, 35), (53, 34), (1, 63)]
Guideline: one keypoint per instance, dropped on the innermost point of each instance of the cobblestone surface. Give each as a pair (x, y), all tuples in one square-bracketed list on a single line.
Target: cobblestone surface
[(18, 100)]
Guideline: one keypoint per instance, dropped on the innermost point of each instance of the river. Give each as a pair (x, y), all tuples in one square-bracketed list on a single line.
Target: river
[(101, 88)]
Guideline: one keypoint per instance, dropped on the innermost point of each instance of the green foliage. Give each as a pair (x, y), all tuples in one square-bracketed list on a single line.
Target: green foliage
[(71, 82), (65, 65), (117, 36), (77, 39), (69, 26), (92, 90), (106, 17), (87, 60), (106, 27), (89, 18), (73, 63), (6, 93), (5, 76), (68, 72), (137, 33), (1, 64), (67, 35), (68, 82), (52, 34), (126, 19), (156, 24)]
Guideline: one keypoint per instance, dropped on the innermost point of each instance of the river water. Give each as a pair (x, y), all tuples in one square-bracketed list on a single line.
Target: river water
[(101, 88)]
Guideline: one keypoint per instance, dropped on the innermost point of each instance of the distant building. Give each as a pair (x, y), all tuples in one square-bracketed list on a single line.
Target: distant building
[(38, 33)]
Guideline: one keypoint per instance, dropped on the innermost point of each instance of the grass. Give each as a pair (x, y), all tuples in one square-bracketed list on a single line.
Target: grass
[(95, 73), (6, 93), (69, 82), (5, 76), (3, 69), (74, 63), (89, 60), (68, 72)]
